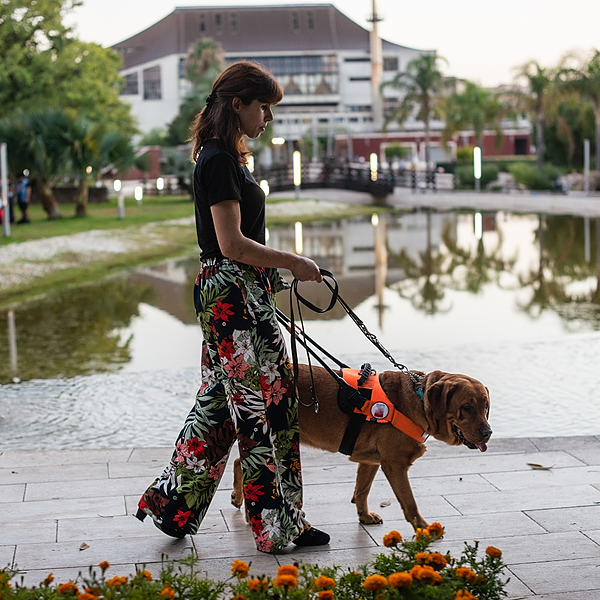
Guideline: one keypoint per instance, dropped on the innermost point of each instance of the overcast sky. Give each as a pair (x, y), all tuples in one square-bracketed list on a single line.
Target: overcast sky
[(482, 40)]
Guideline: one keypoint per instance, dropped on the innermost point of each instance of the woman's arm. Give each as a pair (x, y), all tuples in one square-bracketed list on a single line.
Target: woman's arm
[(233, 244)]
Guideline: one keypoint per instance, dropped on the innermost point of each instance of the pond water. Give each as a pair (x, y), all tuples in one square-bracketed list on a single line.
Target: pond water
[(512, 300)]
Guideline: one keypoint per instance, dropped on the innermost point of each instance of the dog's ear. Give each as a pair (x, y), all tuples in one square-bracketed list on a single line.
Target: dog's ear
[(437, 393)]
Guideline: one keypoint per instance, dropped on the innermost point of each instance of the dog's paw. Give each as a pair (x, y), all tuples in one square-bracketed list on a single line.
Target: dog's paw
[(237, 502), (370, 519)]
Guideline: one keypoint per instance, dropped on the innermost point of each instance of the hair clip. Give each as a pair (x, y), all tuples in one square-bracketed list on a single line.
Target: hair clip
[(211, 99)]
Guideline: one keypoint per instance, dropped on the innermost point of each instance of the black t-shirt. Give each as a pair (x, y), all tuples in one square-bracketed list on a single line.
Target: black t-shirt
[(218, 177)]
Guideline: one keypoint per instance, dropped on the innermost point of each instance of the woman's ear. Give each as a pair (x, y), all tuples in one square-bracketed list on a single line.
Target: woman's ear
[(237, 104)]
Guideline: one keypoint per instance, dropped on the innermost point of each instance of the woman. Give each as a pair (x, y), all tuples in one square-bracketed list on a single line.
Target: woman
[(247, 391)]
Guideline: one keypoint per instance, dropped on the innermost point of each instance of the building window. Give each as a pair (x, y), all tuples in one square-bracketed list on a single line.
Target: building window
[(233, 22), (360, 79), (390, 64), (202, 23), (218, 23), (295, 21), (152, 86), (182, 68), (357, 59), (131, 85), (311, 19)]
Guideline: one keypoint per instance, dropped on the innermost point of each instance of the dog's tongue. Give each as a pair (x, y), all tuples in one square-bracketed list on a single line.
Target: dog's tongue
[(482, 446)]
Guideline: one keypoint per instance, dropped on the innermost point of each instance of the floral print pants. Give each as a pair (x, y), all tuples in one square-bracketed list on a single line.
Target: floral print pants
[(246, 394)]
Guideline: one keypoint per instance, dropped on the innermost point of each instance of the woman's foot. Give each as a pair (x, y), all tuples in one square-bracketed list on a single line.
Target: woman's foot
[(312, 537)]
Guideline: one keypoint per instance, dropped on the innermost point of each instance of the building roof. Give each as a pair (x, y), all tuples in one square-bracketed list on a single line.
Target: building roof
[(249, 30)]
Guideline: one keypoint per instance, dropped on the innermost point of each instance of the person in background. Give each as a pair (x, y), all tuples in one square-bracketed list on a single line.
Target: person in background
[(247, 392), (23, 195)]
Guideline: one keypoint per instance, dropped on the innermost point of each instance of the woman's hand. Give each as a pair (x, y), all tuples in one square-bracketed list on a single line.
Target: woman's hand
[(306, 270)]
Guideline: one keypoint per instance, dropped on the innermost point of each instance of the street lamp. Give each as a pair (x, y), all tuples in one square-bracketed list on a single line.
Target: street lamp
[(373, 163), (160, 184), (477, 167), (297, 167), (139, 193)]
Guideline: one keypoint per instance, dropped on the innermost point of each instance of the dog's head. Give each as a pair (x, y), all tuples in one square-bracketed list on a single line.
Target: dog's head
[(457, 407)]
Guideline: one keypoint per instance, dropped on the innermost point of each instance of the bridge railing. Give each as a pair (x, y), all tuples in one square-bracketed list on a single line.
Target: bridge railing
[(354, 176)]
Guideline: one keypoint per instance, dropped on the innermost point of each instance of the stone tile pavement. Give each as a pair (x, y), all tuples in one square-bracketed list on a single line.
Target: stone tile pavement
[(64, 510)]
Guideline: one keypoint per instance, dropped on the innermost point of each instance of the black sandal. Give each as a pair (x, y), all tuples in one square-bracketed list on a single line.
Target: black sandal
[(312, 537)]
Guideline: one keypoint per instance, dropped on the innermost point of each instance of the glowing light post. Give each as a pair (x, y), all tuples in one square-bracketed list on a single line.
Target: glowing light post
[(5, 204), (373, 165), (477, 167), (297, 167), (380, 264), (139, 194), (120, 198), (298, 237), (160, 185)]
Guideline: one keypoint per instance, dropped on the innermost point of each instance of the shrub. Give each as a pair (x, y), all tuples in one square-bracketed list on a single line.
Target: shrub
[(407, 569), (466, 178), (535, 179)]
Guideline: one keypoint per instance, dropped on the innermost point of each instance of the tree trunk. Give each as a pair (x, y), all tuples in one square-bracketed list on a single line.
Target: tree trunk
[(82, 199), (539, 151), (597, 113), (49, 203), (427, 143)]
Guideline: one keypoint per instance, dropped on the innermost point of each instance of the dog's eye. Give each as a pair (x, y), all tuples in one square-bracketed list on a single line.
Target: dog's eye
[(467, 408)]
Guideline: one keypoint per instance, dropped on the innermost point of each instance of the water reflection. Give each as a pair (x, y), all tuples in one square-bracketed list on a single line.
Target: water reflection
[(456, 268), (74, 332)]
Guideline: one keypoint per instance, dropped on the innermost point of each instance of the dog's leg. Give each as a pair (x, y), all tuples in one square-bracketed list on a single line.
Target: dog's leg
[(364, 478), (237, 495), (397, 475)]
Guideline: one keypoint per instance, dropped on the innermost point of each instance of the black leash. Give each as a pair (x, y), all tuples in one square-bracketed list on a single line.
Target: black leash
[(299, 335)]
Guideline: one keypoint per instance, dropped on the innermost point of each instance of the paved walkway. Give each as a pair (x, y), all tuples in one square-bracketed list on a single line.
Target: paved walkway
[(574, 203), (64, 510)]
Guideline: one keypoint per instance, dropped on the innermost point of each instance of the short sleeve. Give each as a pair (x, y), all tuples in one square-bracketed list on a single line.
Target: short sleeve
[(221, 179)]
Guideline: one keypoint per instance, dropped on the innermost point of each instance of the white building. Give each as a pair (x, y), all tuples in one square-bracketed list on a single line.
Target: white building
[(321, 58)]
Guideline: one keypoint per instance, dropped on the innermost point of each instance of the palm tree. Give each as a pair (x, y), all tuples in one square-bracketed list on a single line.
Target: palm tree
[(36, 142), (474, 107), (541, 85), (422, 85), (586, 81)]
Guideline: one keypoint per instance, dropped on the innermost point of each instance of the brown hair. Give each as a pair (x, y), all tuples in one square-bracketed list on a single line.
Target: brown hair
[(245, 80)]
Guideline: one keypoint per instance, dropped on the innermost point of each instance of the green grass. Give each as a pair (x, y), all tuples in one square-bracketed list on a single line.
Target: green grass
[(100, 216)]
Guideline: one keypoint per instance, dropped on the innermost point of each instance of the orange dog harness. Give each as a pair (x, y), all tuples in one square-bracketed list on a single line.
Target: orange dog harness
[(378, 408)]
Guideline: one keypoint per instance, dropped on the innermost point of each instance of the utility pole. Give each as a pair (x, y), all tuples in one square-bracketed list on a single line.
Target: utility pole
[(376, 70)]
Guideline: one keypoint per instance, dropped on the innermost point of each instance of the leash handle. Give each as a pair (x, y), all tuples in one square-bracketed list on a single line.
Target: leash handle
[(334, 289)]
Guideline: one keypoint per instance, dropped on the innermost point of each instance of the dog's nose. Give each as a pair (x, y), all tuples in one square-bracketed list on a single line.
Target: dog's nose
[(485, 433)]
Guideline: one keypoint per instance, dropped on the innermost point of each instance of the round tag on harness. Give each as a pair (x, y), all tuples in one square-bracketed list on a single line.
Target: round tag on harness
[(380, 410)]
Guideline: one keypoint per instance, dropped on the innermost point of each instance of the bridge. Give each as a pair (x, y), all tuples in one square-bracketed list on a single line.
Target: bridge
[(354, 176)]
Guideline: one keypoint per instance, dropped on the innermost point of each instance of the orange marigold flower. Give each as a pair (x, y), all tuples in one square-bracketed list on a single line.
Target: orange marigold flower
[(325, 595), (426, 573), (285, 581), (239, 597), (466, 574), (253, 585), (116, 581), (240, 568), (67, 588), (324, 582), (493, 552), (168, 593), (464, 595), (48, 579), (421, 558), (104, 565), (86, 596), (288, 570), (435, 559), (436, 529), (422, 534), (374, 583), (93, 591), (400, 580), (393, 538)]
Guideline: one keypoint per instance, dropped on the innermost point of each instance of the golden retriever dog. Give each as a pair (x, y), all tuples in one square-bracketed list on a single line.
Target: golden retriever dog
[(452, 408)]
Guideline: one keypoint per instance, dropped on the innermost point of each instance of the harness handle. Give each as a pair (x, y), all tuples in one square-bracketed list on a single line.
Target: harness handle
[(334, 293)]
